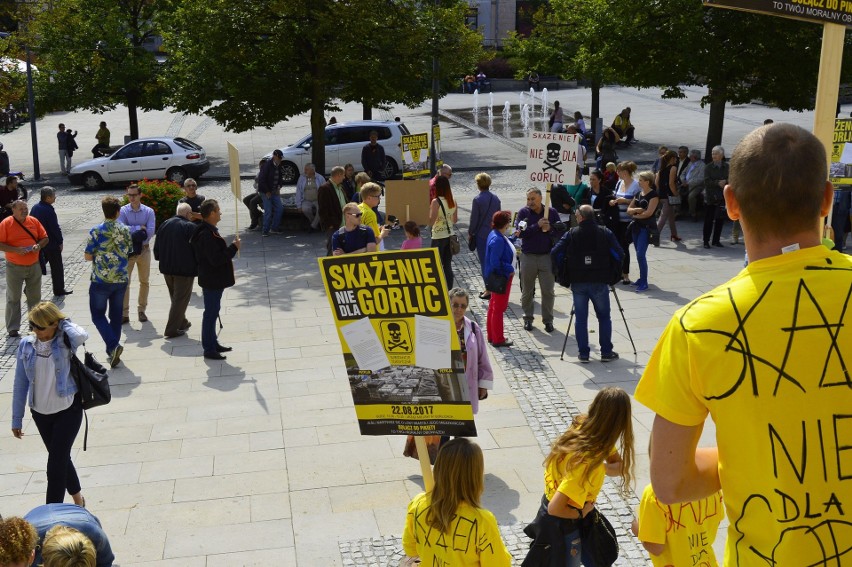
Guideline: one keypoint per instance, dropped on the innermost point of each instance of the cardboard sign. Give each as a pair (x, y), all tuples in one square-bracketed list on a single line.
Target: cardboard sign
[(552, 158)]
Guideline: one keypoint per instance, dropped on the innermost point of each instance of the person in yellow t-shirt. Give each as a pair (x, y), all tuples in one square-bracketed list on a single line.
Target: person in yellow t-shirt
[(447, 526), (574, 471), (766, 356), (679, 534), (371, 194)]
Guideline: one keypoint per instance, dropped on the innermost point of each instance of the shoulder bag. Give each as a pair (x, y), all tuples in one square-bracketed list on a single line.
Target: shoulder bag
[(455, 246), (41, 259), (598, 536), (92, 382)]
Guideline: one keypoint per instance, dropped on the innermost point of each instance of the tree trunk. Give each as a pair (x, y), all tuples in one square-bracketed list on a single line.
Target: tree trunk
[(318, 132), (368, 110), (596, 107), (718, 100), (134, 119)]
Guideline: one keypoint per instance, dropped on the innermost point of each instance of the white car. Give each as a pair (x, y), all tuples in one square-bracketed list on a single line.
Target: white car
[(343, 144), (174, 159)]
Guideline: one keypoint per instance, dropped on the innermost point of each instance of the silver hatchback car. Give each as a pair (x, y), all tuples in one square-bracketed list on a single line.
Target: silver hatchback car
[(343, 144)]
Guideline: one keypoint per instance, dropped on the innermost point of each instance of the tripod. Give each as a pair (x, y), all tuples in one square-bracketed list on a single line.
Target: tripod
[(623, 318)]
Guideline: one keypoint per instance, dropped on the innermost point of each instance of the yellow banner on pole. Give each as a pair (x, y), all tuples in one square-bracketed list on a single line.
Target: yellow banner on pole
[(400, 345)]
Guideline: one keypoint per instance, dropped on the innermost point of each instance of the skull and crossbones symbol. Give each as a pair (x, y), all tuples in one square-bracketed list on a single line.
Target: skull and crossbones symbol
[(552, 160), (396, 341)]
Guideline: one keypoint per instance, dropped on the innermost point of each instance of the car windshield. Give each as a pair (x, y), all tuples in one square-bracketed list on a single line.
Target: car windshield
[(187, 145)]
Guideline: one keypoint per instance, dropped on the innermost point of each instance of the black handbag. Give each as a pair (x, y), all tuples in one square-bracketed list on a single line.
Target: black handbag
[(92, 382), (598, 536), (455, 245), (496, 282)]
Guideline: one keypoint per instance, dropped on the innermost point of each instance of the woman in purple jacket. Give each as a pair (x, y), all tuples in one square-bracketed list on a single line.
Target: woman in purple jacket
[(477, 367)]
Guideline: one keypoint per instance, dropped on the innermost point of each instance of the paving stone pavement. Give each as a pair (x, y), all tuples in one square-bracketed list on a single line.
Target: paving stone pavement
[(258, 460)]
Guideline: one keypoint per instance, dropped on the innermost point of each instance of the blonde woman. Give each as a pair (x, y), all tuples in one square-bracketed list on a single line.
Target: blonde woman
[(453, 504), (66, 547), (641, 209), (598, 444), (43, 381)]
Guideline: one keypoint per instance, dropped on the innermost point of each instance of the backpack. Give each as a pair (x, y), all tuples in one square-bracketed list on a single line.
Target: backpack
[(601, 265)]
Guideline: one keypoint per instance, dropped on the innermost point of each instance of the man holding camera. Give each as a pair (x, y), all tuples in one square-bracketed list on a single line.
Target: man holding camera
[(537, 226), (592, 258)]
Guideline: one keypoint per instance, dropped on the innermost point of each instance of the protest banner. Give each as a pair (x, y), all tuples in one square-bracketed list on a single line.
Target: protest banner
[(400, 346), (552, 157), (415, 155), (840, 172)]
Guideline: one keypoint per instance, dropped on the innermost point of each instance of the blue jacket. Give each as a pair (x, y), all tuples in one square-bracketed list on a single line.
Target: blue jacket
[(46, 215), (45, 517), (498, 255), (25, 369)]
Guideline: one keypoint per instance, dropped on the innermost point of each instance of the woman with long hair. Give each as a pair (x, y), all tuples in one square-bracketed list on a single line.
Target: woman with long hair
[(433, 517), (626, 188), (601, 198), (642, 210), (442, 215), (598, 443), (666, 182), (43, 378), (499, 258)]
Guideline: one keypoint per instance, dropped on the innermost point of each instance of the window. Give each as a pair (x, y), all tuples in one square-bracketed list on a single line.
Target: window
[(133, 150), (471, 20), (157, 149)]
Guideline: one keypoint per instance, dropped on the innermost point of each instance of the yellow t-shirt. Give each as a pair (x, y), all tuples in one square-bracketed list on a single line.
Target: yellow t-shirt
[(688, 530), (368, 218), (570, 482), (473, 539), (768, 355)]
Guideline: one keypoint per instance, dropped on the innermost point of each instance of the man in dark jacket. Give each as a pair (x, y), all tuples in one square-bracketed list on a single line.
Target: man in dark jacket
[(215, 273), (52, 253), (331, 199), (269, 187), (593, 256), (178, 266), (373, 158)]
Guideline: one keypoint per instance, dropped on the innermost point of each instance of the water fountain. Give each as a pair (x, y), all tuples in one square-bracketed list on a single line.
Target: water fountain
[(525, 117), (532, 101), (491, 111), (476, 102), (544, 104), (521, 100), (507, 113)]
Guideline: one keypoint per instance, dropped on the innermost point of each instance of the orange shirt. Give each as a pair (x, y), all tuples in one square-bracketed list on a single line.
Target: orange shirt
[(12, 234)]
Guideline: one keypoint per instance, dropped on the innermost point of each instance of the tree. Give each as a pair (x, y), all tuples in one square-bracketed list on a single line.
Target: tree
[(739, 57), (251, 63), (92, 57)]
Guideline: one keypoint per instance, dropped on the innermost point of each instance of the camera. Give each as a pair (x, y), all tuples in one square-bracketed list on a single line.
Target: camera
[(392, 222), (522, 225)]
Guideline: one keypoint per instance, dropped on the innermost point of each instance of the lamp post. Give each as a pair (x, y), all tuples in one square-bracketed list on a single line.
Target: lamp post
[(31, 111), (433, 168)]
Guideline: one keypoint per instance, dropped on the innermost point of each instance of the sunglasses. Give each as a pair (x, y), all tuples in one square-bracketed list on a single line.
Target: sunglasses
[(37, 327), (133, 194), (356, 215)]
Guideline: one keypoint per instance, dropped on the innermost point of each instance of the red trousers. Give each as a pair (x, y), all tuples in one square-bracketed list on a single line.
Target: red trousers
[(496, 307)]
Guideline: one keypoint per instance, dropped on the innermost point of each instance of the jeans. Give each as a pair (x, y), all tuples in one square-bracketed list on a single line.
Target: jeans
[(496, 308), (53, 258), (64, 161), (640, 242), (622, 234), (212, 305), (253, 202), (714, 218), (28, 277), (58, 432), (272, 211), (107, 298), (598, 294), (576, 554), (667, 215)]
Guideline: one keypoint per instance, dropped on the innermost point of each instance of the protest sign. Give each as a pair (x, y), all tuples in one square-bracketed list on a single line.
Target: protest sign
[(552, 158)]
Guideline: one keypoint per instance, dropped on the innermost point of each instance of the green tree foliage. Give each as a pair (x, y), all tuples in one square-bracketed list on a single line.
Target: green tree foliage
[(739, 57), (91, 54), (253, 63)]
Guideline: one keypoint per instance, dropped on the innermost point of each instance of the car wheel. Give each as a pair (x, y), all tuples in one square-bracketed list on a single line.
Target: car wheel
[(176, 175), (391, 169), (289, 172), (92, 180)]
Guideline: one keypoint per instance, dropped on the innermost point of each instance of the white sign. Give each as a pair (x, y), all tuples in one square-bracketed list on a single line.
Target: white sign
[(552, 157)]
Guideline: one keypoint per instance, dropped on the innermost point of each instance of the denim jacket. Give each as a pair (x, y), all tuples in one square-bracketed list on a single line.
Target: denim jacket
[(25, 370)]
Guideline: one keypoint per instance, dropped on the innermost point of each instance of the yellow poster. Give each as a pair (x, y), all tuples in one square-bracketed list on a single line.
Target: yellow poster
[(415, 155), (436, 135), (841, 153), (400, 346)]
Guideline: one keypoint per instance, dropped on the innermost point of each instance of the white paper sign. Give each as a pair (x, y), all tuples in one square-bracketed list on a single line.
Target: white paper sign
[(365, 345), (432, 342), (552, 158)]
